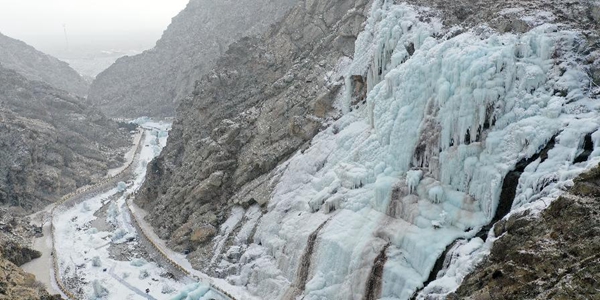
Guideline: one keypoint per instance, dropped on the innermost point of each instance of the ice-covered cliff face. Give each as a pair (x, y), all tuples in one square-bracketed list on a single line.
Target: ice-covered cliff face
[(368, 208), (443, 130), (35, 65), (154, 82)]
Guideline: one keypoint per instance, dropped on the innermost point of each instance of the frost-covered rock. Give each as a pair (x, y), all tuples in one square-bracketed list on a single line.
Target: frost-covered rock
[(118, 234), (112, 213), (99, 290), (138, 262), (193, 292), (121, 186), (550, 256), (96, 261)]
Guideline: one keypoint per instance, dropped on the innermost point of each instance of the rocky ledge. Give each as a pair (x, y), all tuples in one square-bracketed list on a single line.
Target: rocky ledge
[(555, 255), (15, 234)]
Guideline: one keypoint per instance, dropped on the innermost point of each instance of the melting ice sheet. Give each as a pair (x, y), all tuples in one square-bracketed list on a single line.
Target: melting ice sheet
[(422, 163)]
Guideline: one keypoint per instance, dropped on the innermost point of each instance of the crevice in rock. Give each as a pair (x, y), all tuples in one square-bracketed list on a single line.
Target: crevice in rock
[(507, 197), (375, 281), (305, 262), (588, 148), (509, 187), (511, 181), (439, 265)]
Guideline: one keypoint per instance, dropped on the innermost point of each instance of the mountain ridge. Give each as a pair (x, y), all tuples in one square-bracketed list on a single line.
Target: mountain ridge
[(38, 66), (154, 82)]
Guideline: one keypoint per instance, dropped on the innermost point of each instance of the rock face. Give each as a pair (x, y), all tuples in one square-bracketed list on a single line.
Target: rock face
[(16, 284), (517, 16), (555, 255), (52, 142), (154, 82), (37, 66), (336, 158), (15, 233), (269, 96)]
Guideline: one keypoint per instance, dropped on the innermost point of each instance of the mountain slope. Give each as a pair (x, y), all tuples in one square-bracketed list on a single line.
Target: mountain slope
[(52, 142), (268, 97), (154, 82), (37, 66), (315, 161)]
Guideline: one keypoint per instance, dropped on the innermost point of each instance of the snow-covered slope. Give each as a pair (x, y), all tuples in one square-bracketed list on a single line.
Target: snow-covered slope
[(444, 130)]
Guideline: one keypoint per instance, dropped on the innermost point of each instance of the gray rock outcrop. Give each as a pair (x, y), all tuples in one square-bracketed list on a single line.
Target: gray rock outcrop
[(153, 83), (15, 234), (37, 66), (52, 142)]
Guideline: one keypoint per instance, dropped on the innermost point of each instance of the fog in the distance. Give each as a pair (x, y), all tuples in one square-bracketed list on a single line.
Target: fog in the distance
[(97, 31)]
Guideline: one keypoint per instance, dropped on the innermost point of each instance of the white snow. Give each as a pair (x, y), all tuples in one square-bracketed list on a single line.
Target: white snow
[(238, 292), (83, 250), (422, 163)]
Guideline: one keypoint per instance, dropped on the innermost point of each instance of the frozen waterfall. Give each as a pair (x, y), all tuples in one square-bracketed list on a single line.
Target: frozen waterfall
[(423, 162)]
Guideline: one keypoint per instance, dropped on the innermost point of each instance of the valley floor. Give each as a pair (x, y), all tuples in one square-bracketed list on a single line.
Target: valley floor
[(100, 252), (42, 267)]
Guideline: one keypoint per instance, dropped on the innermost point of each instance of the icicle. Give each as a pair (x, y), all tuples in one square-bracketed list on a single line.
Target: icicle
[(413, 178), (436, 194), (347, 94)]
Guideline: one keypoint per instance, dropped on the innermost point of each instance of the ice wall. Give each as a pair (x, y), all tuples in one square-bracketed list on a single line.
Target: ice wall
[(422, 163)]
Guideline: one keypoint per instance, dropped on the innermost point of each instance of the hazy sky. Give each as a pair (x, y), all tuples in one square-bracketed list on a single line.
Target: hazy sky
[(40, 22)]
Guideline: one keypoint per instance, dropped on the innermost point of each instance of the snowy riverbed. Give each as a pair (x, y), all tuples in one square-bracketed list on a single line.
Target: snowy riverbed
[(96, 243)]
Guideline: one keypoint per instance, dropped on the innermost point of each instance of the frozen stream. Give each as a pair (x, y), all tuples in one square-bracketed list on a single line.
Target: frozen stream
[(99, 254), (42, 267)]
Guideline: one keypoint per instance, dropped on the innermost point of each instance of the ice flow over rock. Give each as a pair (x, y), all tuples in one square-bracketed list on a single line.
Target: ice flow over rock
[(422, 163)]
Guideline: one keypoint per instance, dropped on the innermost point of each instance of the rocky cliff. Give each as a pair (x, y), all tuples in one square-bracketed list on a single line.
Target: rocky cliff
[(37, 66), (154, 82), (16, 284), (364, 151), (269, 96), (52, 142), (555, 255), (15, 234)]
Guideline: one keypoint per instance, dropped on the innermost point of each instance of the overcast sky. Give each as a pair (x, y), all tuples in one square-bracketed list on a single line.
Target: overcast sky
[(40, 22)]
